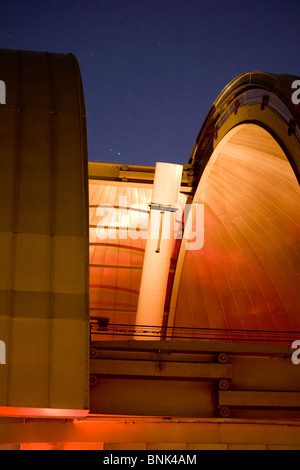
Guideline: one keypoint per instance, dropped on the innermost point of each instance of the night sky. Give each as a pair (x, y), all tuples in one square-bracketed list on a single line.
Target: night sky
[(151, 69)]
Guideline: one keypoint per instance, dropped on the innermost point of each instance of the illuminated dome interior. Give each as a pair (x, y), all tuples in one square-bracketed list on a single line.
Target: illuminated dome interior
[(247, 274)]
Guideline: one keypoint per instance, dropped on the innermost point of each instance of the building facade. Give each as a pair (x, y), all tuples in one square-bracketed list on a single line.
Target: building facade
[(85, 363)]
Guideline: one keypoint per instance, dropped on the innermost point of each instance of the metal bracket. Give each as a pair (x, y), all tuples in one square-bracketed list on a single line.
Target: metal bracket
[(162, 208)]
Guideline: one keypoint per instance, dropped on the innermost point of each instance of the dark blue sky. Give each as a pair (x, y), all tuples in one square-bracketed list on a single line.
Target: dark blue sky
[(151, 69)]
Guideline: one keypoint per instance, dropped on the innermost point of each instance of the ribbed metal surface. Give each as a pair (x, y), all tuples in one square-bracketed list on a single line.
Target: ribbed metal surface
[(247, 275), (116, 254), (118, 220), (258, 97), (43, 232)]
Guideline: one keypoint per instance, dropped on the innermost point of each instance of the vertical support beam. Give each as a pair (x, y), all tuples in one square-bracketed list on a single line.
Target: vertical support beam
[(158, 250)]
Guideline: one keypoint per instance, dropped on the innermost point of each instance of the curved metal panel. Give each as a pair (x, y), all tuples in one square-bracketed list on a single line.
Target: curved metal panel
[(246, 156), (43, 232), (247, 275), (266, 91)]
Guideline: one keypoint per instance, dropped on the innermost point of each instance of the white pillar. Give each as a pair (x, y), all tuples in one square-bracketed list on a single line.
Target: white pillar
[(166, 188)]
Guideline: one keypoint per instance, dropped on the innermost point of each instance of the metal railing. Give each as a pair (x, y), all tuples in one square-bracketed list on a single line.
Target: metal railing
[(101, 330), (265, 99)]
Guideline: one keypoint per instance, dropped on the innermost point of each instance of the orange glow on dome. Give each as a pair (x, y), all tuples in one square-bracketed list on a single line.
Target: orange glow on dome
[(247, 274)]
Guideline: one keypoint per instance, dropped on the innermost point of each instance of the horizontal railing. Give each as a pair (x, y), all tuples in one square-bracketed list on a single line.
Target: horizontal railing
[(103, 330)]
